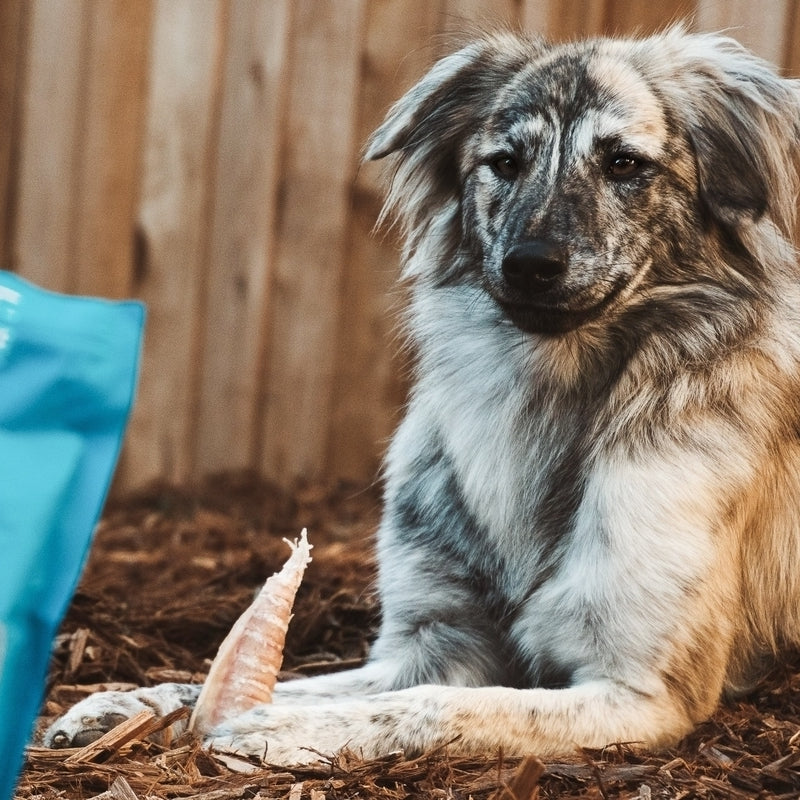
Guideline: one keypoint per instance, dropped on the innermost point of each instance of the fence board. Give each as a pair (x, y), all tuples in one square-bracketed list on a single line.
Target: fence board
[(177, 176), (791, 63), (463, 16), (51, 131), (241, 248), (369, 378), (560, 19), (228, 163), (113, 117), (645, 16), (759, 26), (319, 162), (13, 38), (791, 60)]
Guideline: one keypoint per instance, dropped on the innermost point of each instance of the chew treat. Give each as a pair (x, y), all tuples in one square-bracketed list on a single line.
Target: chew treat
[(245, 669)]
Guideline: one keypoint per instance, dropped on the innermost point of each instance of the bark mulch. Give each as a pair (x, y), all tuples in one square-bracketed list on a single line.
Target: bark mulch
[(171, 569)]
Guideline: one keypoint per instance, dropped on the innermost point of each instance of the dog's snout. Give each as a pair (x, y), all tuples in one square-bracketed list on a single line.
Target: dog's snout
[(533, 267)]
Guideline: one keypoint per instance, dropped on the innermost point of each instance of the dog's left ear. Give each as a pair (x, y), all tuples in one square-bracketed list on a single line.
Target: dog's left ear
[(444, 103), (425, 130), (744, 125), (426, 101)]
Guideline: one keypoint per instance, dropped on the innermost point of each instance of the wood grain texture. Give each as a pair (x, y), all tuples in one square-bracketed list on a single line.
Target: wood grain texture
[(13, 42), (112, 123), (177, 177), (204, 156), (371, 371), (240, 259), (53, 107), (465, 16), (319, 164), (760, 26), (645, 16), (560, 19), (791, 59)]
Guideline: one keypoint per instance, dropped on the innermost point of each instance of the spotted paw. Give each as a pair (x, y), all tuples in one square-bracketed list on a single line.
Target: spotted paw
[(97, 714)]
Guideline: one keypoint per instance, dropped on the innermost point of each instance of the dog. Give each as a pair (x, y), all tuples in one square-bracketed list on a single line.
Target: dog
[(592, 506)]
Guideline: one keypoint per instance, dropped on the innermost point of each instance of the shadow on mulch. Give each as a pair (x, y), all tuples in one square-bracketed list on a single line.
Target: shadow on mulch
[(171, 568)]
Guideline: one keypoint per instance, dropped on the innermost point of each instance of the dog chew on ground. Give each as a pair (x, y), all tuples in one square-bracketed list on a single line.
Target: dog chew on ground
[(245, 669)]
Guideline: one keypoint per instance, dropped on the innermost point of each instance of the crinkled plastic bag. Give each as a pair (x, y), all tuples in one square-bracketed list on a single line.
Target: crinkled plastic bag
[(68, 371)]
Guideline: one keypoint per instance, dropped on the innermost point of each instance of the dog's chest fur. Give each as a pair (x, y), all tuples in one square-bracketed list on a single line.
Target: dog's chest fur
[(514, 453), (499, 472)]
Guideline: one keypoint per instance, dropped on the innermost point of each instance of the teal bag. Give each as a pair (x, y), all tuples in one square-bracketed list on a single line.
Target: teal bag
[(68, 371)]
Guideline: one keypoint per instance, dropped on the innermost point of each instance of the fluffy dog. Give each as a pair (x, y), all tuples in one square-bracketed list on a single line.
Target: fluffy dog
[(592, 511)]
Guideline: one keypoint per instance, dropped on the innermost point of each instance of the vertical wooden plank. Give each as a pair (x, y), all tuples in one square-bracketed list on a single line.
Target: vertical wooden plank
[(176, 182), (791, 64), (13, 42), (53, 104), (565, 19), (320, 162), (117, 59), (760, 26), (466, 16), (791, 60), (642, 17), (369, 379), (241, 248)]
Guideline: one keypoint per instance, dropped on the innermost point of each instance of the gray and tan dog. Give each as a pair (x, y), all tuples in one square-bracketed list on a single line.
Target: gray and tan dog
[(592, 519)]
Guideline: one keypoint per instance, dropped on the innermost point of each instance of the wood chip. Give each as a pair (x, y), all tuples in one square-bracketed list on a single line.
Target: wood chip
[(167, 675), (91, 688), (229, 793), (786, 762), (119, 790), (123, 733), (77, 648), (139, 726), (235, 763), (524, 783)]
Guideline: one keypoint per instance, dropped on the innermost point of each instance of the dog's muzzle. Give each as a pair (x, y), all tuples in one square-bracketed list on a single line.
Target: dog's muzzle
[(536, 292)]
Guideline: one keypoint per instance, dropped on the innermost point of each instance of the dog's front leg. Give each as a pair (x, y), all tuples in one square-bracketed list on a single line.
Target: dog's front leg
[(470, 721), (98, 713)]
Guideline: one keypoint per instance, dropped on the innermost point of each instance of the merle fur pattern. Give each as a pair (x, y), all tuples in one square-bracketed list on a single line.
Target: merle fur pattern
[(592, 513)]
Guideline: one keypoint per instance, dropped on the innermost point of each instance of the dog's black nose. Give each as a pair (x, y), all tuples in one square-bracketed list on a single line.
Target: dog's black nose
[(533, 267)]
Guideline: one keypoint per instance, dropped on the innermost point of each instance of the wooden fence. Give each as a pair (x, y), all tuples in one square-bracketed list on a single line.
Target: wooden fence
[(203, 155)]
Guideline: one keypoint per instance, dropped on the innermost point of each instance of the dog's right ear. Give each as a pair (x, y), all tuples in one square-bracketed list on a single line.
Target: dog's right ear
[(446, 100)]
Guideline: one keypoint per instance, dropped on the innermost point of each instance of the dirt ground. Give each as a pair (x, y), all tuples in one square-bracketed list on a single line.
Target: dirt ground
[(171, 569)]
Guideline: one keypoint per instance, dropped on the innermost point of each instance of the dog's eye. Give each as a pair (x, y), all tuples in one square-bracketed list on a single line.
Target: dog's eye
[(622, 166), (505, 167)]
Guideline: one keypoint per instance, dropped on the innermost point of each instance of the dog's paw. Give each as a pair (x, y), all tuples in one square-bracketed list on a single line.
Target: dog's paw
[(295, 735), (97, 714), (288, 735)]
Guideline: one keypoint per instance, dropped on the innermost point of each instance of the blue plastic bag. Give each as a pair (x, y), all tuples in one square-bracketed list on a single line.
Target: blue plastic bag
[(68, 371)]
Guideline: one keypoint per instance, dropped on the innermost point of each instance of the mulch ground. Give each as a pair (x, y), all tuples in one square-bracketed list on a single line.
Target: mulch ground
[(171, 569)]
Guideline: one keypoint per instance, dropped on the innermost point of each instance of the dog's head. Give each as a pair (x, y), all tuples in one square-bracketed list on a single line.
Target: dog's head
[(569, 179)]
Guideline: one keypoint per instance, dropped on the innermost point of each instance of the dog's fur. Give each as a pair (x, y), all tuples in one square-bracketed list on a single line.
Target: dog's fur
[(592, 519)]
